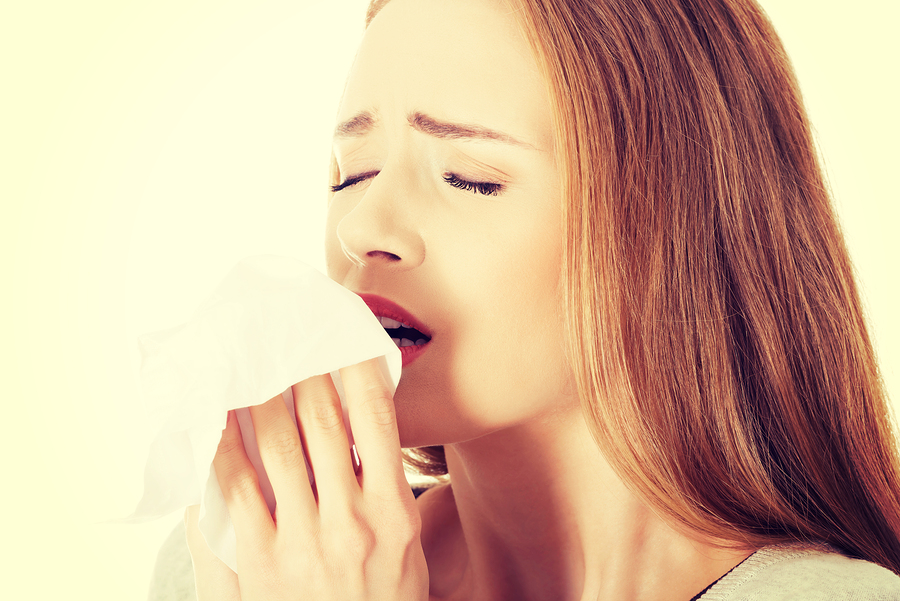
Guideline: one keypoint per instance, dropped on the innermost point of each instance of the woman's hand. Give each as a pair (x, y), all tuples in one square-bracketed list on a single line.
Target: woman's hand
[(352, 536)]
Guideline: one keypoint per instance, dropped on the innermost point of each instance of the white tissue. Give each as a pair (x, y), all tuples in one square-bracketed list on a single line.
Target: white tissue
[(272, 322)]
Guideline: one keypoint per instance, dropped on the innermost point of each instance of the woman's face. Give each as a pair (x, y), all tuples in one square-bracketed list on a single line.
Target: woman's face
[(449, 206)]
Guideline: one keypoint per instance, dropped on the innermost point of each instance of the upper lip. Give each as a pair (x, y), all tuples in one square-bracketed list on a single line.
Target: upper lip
[(383, 307)]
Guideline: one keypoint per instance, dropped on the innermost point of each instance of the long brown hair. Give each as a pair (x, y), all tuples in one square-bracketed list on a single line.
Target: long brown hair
[(714, 324)]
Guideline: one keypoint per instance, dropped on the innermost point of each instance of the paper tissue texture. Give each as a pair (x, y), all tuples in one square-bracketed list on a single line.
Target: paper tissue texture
[(272, 322)]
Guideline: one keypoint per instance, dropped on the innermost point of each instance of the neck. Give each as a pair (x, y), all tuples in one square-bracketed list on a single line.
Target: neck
[(541, 515)]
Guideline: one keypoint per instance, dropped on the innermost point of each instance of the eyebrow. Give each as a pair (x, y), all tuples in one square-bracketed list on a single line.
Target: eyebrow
[(358, 125), (362, 123)]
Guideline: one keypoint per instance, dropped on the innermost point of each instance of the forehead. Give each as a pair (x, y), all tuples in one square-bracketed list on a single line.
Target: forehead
[(461, 60)]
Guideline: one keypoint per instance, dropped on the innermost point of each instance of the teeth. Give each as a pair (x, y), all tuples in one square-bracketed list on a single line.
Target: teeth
[(402, 342), (387, 322)]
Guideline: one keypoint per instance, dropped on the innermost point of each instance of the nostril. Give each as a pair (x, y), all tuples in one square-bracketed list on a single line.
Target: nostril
[(381, 254)]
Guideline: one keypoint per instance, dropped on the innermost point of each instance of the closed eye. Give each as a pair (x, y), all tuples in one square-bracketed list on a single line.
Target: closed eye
[(485, 188), (353, 180)]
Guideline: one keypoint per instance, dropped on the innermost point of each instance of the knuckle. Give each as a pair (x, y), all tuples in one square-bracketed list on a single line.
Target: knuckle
[(328, 417), (242, 486), (229, 445), (324, 414), (358, 542), (284, 446), (378, 408), (406, 529)]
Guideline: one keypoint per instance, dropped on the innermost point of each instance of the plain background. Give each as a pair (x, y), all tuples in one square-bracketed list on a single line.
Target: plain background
[(148, 146)]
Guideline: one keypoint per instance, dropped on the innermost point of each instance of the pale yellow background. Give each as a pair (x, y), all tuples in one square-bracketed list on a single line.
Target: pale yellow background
[(148, 146)]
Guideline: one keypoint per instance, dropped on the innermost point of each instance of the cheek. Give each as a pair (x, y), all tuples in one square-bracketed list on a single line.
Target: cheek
[(501, 359), (507, 360), (521, 338)]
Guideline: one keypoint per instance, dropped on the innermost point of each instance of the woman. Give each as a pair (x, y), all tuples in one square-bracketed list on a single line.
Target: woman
[(633, 339)]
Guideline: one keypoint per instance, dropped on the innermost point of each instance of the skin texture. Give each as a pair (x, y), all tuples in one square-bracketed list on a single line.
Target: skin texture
[(480, 267), (353, 537), (481, 271)]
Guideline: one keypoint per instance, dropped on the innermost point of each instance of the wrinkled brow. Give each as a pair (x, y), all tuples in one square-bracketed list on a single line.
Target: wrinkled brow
[(363, 122), (456, 131), (358, 125)]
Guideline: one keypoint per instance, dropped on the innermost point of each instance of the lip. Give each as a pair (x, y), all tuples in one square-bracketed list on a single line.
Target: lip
[(383, 307)]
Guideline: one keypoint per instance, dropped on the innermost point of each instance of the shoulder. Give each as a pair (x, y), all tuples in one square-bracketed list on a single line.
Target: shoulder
[(813, 572), (438, 510), (442, 538), (173, 576)]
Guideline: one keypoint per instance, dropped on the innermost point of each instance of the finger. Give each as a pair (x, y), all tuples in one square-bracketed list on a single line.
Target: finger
[(321, 422), (214, 580), (240, 486), (282, 455), (374, 424)]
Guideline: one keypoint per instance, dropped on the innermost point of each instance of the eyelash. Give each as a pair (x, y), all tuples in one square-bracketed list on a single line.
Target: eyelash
[(353, 180), (484, 188)]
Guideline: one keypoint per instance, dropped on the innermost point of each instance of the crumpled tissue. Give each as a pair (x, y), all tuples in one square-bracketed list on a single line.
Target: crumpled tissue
[(272, 322)]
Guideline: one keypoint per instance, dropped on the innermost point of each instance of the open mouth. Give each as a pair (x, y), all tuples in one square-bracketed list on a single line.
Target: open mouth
[(403, 334), (408, 333)]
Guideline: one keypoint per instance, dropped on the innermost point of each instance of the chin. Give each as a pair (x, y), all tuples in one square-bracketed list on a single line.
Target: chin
[(433, 421), (425, 416), (416, 421)]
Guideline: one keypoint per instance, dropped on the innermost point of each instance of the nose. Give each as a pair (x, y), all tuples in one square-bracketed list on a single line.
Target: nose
[(380, 231)]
